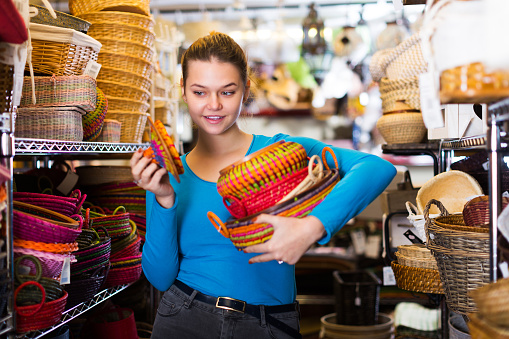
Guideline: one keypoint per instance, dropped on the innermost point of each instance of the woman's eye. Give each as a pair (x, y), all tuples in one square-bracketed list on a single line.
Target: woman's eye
[(228, 93), (198, 93)]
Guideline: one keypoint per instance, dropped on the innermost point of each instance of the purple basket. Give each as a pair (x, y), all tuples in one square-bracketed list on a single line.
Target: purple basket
[(30, 227)]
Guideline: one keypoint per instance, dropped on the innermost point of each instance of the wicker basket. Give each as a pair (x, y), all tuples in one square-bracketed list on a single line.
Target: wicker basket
[(127, 105), (133, 125), (396, 92), (127, 63), (405, 60), (491, 300), (6, 87), (427, 263), (124, 33), (64, 20), (123, 76), (60, 91), (131, 48), (477, 211), (61, 51), (462, 255), (143, 21), (51, 123), (110, 132), (471, 84), (402, 128), (79, 7), (120, 90), (417, 279), (481, 329)]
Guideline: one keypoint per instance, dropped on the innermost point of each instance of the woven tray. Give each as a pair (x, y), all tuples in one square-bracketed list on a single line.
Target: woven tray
[(144, 21), (51, 123), (62, 20), (417, 279), (60, 91)]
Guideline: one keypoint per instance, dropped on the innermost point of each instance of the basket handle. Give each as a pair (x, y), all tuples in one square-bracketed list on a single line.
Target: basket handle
[(314, 174), (411, 208), (324, 157), (218, 224), (441, 207), (229, 201), (80, 219), (119, 208), (41, 304), (102, 228), (35, 260)]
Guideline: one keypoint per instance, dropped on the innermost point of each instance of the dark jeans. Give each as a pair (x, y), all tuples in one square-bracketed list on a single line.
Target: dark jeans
[(180, 316)]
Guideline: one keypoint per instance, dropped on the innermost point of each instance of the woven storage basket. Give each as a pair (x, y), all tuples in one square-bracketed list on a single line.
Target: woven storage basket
[(470, 83), (123, 76), (116, 224), (110, 132), (245, 232), (93, 121), (50, 215), (39, 316), (79, 7), (70, 91), (491, 300), (61, 51), (402, 128), (94, 251), (127, 105), (132, 48), (462, 255), (126, 63), (133, 125), (51, 263), (477, 211), (123, 33), (6, 86), (64, 20), (406, 59), (67, 206), (51, 123), (481, 329), (144, 21), (395, 92), (83, 287), (119, 90), (417, 279)]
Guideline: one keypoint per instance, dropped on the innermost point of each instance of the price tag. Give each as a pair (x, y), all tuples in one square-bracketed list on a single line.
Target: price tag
[(389, 279), (358, 241), (430, 102), (92, 69), (65, 276), (504, 269), (70, 180)]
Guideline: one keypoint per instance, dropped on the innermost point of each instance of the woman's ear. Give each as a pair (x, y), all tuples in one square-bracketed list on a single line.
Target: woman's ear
[(246, 91), (182, 89)]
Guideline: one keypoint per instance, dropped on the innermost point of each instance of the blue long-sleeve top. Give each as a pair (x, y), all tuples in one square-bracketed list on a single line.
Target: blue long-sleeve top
[(181, 242)]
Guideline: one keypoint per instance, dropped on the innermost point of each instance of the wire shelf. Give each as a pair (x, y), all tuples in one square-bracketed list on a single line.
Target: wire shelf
[(43, 147)]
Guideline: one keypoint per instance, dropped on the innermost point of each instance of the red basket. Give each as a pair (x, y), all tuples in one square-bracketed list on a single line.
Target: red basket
[(67, 206), (123, 275), (132, 249), (39, 316), (477, 211)]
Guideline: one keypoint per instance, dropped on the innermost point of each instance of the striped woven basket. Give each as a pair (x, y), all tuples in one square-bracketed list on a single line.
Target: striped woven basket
[(406, 59), (93, 121)]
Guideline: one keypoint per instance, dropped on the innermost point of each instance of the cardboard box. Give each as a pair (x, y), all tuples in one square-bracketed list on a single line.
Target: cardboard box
[(461, 120)]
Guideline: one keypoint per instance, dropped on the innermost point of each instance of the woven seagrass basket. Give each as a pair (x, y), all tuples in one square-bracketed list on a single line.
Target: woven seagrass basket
[(143, 21), (462, 255), (402, 128), (53, 123), (133, 125), (64, 20), (79, 7)]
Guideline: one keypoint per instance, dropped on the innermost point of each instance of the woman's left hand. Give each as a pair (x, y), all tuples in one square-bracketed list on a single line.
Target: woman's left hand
[(292, 237)]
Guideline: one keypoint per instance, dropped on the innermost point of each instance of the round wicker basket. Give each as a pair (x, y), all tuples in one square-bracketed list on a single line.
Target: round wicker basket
[(402, 128)]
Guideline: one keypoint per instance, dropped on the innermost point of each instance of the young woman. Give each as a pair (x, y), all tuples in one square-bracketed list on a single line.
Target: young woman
[(211, 289)]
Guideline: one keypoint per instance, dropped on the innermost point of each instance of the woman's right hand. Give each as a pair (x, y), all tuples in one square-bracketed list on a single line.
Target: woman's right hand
[(152, 177)]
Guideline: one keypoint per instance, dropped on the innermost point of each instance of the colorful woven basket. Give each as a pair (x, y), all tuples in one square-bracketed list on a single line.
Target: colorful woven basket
[(67, 206), (117, 224), (245, 232), (64, 20), (50, 263), (251, 174), (94, 252), (83, 287), (93, 121)]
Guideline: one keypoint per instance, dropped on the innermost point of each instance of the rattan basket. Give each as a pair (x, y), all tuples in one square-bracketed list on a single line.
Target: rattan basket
[(61, 51), (130, 48), (417, 279), (395, 92), (124, 33), (127, 105), (143, 21), (491, 300), (51, 123), (402, 128), (477, 211), (481, 329), (122, 90), (64, 20), (78, 7), (133, 125), (123, 76), (127, 63), (428, 263)]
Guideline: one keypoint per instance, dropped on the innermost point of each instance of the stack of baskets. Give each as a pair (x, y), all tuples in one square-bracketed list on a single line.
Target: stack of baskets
[(260, 173), (462, 254), (397, 70), (125, 29), (6, 77)]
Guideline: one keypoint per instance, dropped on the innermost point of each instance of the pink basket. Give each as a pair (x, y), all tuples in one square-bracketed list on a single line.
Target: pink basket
[(51, 263), (31, 227), (123, 275)]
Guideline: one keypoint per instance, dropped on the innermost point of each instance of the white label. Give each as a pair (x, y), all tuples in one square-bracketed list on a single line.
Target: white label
[(430, 102), (389, 279), (23, 269), (92, 69), (65, 276), (359, 241), (70, 180), (398, 5), (486, 165), (373, 245), (504, 269)]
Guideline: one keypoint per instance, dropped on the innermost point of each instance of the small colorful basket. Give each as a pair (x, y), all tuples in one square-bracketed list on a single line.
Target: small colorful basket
[(67, 206), (93, 121), (116, 224), (124, 271), (50, 263), (245, 232)]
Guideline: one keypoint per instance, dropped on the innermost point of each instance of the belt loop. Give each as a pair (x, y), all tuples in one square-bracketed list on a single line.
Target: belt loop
[(263, 322), (188, 302)]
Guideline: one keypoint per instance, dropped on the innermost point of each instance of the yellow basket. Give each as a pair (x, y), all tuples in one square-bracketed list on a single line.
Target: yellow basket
[(127, 63), (122, 90), (133, 125), (417, 279), (120, 75), (134, 19), (79, 7), (127, 48), (122, 32), (127, 105)]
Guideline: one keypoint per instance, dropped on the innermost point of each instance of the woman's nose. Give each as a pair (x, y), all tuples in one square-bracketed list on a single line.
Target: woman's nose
[(215, 103)]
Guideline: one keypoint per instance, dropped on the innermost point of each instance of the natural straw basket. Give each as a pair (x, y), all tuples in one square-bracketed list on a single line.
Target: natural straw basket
[(406, 59), (122, 32), (131, 48), (133, 125), (143, 21), (402, 128), (51, 123), (79, 7), (127, 105), (417, 279), (120, 90), (126, 63), (428, 263), (123, 76), (491, 300), (462, 255), (394, 92)]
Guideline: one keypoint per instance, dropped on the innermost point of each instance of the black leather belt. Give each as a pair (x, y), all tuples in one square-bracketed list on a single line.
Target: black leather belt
[(242, 307)]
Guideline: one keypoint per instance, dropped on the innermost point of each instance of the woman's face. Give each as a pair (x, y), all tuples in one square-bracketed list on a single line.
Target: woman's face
[(214, 94)]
